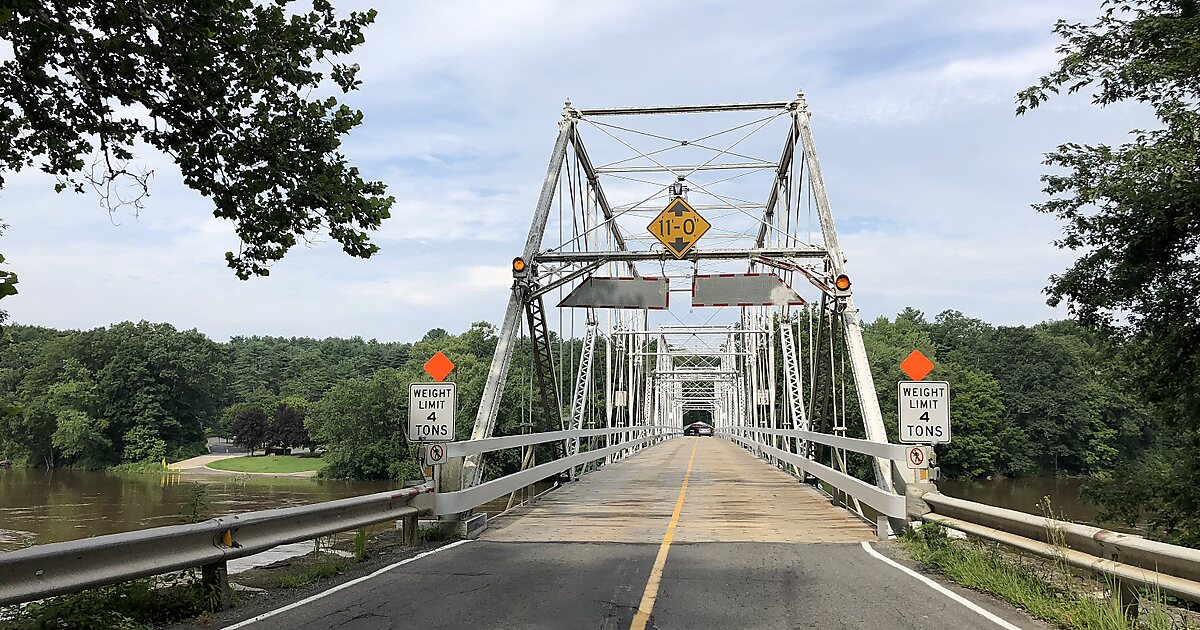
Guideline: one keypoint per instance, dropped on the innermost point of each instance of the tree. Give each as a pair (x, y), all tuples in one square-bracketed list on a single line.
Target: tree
[(1133, 211), (287, 428), (250, 428), (143, 443), (8, 283), (360, 422), (79, 435), (231, 91)]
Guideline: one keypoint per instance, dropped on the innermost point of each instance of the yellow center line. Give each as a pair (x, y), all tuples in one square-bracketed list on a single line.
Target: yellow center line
[(651, 593)]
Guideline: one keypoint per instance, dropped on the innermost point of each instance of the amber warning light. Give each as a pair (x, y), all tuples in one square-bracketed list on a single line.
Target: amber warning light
[(842, 282), (518, 265)]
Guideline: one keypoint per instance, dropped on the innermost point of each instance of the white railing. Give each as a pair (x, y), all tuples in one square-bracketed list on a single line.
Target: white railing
[(886, 503), (469, 498)]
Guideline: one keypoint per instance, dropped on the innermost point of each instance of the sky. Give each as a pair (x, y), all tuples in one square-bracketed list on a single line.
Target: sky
[(930, 173)]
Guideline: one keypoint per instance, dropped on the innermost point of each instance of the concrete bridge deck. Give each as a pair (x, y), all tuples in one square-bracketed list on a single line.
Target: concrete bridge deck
[(732, 544)]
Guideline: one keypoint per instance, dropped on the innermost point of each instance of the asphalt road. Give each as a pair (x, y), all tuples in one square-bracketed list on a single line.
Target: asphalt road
[(746, 546), (599, 585)]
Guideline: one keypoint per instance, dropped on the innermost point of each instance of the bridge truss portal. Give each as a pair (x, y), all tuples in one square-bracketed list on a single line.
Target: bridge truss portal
[(748, 330)]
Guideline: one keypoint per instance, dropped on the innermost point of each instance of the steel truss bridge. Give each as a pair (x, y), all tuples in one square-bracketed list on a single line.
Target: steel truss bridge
[(749, 329), (611, 344)]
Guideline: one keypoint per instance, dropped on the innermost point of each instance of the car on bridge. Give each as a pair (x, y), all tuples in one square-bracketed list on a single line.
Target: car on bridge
[(698, 428)]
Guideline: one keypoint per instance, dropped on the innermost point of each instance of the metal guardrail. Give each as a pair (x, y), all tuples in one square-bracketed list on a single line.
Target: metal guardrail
[(882, 501), (1171, 568), (53, 569), (470, 498)]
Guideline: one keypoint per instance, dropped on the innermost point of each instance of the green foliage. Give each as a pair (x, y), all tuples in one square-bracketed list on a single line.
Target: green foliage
[(250, 428), (233, 92), (1131, 213), (269, 464), (197, 507), (360, 544), (324, 568), (1024, 400), (8, 283), (137, 605), (143, 443), (361, 423), (1046, 591)]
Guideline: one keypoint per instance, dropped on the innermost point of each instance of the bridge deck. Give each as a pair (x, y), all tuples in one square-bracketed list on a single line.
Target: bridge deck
[(592, 554), (731, 497)]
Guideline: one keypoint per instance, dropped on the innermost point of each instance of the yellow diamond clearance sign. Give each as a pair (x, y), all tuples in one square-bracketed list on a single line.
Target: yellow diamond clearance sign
[(678, 227)]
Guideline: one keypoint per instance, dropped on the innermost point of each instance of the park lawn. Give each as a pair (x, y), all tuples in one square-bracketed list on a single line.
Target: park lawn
[(268, 464)]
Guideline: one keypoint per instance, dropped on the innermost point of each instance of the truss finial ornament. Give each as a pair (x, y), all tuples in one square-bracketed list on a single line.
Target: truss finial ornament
[(801, 104)]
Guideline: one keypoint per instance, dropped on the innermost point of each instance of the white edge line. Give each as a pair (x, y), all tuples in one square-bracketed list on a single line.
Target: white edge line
[(344, 585), (942, 589)]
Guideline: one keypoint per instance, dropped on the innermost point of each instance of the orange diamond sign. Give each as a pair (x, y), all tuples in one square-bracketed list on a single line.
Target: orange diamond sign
[(916, 366), (678, 227), (439, 366)]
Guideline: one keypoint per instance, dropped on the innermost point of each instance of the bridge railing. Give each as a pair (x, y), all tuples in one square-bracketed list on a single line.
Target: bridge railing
[(1127, 557), (56, 568), (888, 505), (626, 440)]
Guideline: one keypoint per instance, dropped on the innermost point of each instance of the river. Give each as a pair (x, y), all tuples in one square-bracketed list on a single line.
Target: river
[(1026, 493), (39, 507)]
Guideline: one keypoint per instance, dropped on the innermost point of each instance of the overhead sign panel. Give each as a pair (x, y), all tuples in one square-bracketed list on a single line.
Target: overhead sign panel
[(431, 412), (924, 412), (678, 227), (743, 289), (594, 292)]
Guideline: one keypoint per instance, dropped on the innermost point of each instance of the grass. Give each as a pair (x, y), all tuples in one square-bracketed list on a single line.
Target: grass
[(143, 467), (326, 567), (136, 605), (1047, 591), (268, 464)]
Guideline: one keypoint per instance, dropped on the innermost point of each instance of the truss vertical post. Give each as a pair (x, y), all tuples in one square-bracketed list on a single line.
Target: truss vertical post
[(489, 403), (864, 382)]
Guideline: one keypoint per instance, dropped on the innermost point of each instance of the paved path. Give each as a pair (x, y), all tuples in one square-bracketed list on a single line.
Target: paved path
[(200, 462), (745, 546)]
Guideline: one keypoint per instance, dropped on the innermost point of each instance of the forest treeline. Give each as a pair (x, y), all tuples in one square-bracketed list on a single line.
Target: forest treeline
[(1048, 399), (1025, 400), (137, 392)]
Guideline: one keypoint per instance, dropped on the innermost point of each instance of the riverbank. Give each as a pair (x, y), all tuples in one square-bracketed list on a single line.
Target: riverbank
[(38, 506), (270, 464), (180, 602)]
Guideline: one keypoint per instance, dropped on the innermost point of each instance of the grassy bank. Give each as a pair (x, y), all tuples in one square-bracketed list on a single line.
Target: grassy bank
[(138, 605), (1046, 590), (268, 464)]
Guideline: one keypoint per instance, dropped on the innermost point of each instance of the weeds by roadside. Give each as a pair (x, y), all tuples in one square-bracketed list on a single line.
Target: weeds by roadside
[(1052, 594), (137, 605), (327, 567)]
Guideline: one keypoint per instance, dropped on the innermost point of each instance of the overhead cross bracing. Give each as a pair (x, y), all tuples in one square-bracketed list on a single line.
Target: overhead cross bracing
[(636, 347)]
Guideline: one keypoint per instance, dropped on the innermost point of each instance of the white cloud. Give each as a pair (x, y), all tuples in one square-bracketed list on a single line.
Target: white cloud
[(913, 107)]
